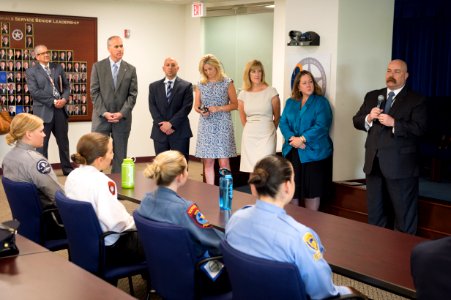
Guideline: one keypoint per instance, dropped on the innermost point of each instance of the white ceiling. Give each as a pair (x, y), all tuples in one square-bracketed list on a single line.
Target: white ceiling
[(207, 2)]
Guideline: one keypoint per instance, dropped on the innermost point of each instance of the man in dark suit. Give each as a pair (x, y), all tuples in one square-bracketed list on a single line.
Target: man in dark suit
[(430, 266), (394, 118), (49, 88), (171, 129), (114, 87)]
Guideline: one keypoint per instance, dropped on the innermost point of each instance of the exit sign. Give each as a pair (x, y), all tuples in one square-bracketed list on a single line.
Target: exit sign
[(198, 10)]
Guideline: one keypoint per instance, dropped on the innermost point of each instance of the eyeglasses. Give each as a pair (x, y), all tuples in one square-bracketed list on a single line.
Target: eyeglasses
[(43, 53)]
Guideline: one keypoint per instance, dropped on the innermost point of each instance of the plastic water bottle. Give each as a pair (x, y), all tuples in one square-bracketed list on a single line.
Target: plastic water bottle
[(225, 189), (128, 173)]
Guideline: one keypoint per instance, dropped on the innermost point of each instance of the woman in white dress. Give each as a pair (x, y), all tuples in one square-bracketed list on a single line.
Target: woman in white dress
[(259, 107)]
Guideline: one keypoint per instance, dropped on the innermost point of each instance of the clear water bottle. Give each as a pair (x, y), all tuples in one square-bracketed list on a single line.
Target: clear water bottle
[(225, 189), (128, 173)]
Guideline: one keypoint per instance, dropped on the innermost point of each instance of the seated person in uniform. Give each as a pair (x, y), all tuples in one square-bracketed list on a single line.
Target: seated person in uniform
[(169, 170), (265, 230), (88, 183), (24, 164)]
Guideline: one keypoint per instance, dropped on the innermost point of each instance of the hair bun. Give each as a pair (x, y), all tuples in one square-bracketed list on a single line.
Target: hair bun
[(260, 177), (157, 168)]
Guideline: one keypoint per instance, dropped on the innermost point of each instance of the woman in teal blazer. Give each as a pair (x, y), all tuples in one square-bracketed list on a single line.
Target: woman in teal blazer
[(305, 125)]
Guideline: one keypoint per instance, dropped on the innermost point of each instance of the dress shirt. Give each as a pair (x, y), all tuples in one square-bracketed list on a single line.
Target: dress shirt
[(166, 80)]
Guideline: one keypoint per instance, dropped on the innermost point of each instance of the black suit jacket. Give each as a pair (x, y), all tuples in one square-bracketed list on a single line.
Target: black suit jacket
[(175, 111), (397, 151), (430, 266)]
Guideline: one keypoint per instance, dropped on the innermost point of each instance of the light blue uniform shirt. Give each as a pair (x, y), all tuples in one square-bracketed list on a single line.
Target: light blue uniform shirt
[(265, 230)]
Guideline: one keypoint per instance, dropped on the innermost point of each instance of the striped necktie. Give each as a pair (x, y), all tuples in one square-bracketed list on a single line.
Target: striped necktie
[(389, 102), (115, 71), (169, 91)]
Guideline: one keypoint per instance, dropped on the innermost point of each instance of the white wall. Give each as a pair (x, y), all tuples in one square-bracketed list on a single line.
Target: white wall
[(365, 30), (157, 31)]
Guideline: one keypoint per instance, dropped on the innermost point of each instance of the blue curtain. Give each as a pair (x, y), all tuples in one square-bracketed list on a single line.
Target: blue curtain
[(422, 37)]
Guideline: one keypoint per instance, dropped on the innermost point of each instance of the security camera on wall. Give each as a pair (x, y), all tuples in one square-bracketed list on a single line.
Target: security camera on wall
[(309, 38)]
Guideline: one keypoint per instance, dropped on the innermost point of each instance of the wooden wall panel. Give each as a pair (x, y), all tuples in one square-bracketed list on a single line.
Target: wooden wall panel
[(63, 35)]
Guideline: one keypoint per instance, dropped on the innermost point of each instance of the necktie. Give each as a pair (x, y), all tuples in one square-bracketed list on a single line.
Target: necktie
[(115, 69), (55, 92), (389, 102), (169, 91)]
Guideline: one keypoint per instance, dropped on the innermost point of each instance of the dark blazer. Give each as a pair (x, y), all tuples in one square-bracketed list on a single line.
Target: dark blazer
[(430, 267), (41, 89), (398, 151), (175, 111)]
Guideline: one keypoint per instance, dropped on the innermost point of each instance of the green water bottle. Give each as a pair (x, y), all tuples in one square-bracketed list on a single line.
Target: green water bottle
[(128, 173)]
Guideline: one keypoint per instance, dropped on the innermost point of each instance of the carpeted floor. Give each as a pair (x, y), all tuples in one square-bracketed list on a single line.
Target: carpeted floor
[(139, 284)]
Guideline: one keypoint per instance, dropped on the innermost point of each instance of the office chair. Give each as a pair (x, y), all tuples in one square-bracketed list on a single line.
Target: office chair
[(171, 260), (87, 244), (25, 204), (258, 278)]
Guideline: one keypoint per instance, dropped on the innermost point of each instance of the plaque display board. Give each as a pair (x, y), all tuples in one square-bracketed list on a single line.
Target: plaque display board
[(72, 42)]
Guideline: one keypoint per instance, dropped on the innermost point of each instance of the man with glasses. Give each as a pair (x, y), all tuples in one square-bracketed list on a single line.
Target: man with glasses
[(49, 89)]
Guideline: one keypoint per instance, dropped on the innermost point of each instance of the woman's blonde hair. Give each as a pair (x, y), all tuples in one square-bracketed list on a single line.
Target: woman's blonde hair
[(89, 147), (210, 59), (166, 167), (250, 66), (22, 123)]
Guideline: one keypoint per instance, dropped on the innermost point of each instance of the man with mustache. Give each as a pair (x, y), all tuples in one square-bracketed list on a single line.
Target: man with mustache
[(395, 118)]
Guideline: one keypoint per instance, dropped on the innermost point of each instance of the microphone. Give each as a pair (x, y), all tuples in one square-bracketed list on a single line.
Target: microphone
[(380, 99)]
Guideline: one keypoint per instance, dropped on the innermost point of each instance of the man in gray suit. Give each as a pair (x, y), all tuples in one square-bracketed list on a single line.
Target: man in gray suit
[(49, 88), (114, 87), (170, 102)]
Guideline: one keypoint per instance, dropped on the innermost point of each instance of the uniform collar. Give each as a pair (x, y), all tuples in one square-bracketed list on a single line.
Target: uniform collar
[(24, 146), (266, 206), (163, 189)]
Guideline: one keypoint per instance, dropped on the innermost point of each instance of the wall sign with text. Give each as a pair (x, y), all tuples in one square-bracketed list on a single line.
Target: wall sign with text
[(73, 44)]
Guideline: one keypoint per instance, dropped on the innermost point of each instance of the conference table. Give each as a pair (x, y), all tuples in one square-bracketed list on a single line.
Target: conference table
[(37, 273), (376, 256)]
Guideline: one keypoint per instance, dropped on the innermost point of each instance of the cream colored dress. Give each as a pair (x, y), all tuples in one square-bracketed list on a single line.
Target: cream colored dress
[(259, 133)]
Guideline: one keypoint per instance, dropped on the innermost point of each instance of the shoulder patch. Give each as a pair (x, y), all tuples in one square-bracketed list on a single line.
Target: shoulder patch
[(43, 166), (112, 187), (197, 217), (310, 240)]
